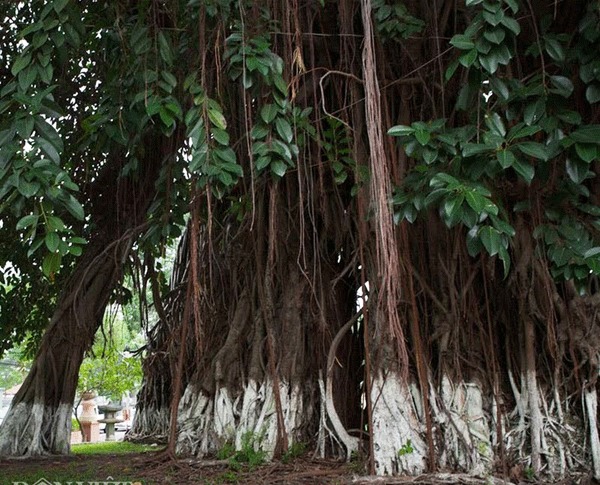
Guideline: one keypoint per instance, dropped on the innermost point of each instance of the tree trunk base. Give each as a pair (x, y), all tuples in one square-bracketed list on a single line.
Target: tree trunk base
[(207, 423), (397, 433), (35, 430), (150, 423), (465, 431)]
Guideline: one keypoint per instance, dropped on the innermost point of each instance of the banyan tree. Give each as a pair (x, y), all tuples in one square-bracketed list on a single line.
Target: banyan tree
[(391, 244)]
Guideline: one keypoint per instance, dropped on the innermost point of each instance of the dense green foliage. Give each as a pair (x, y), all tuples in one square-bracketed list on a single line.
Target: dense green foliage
[(527, 134)]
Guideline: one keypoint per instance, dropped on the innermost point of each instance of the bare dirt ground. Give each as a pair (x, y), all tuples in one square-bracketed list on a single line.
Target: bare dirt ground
[(157, 468)]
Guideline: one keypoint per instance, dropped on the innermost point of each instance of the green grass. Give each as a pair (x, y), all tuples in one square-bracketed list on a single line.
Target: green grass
[(86, 464), (112, 447)]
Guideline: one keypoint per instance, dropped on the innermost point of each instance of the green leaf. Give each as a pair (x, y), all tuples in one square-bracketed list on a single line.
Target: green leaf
[(401, 130), (52, 241), (513, 4), (216, 118), (563, 86), (20, 63), (502, 226), (169, 78), (493, 18), (262, 162), (24, 127), (592, 93), (28, 189), (470, 149), (423, 136), (443, 179), (48, 148), (51, 264), (55, 223), (26, 77), (555, 49), (524, 169), (495, 123), (278, 168), (470, 3), (268, 113), (451, 70), (534, 112), (568, 116), (505, 258), (284, 129), (512, 25), (506, 158), (74, 207), (166, 116), (48, 132), (75, 250), (586, 134), (468, 58), (259, 131), (476, 201), (496, 35), (280, 84), (595, 251), (452, 207), (499, 88), (491, 239), (489, 62), (165, 49), (586, 151), (429, 156), (227, 155), (534, 149), (24, 222), (221, 136), (520, 131), (577, 170), (461, 41), (59, 5)]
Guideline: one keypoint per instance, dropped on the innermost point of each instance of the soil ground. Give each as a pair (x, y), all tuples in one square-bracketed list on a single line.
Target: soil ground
[(156, 468)]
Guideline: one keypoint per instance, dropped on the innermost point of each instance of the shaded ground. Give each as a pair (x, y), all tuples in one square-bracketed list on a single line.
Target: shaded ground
[(154, 468)]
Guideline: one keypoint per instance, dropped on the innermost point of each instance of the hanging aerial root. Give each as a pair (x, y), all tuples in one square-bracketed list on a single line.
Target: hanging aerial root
[(350, 442)]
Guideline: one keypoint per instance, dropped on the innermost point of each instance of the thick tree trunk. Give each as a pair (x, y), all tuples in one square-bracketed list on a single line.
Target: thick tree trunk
[(39, 420)]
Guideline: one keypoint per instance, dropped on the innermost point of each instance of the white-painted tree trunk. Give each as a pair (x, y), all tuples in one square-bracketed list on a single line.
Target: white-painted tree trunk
[(398, 433), (206, 423), (150, 422), (591, 403), (34, 424), (466, 440)]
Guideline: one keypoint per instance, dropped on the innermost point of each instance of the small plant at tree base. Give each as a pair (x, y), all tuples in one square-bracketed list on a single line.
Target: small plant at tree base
[(357, 463), (529, 473), (293, 451), (226, 451), (229, 477), (406, 449), (251, 452)]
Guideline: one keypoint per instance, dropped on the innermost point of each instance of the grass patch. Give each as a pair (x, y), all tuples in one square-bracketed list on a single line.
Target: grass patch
[(112, 448), (88, 463)]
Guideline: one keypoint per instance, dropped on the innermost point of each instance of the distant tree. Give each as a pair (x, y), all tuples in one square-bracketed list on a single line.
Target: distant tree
[(110, 368)]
